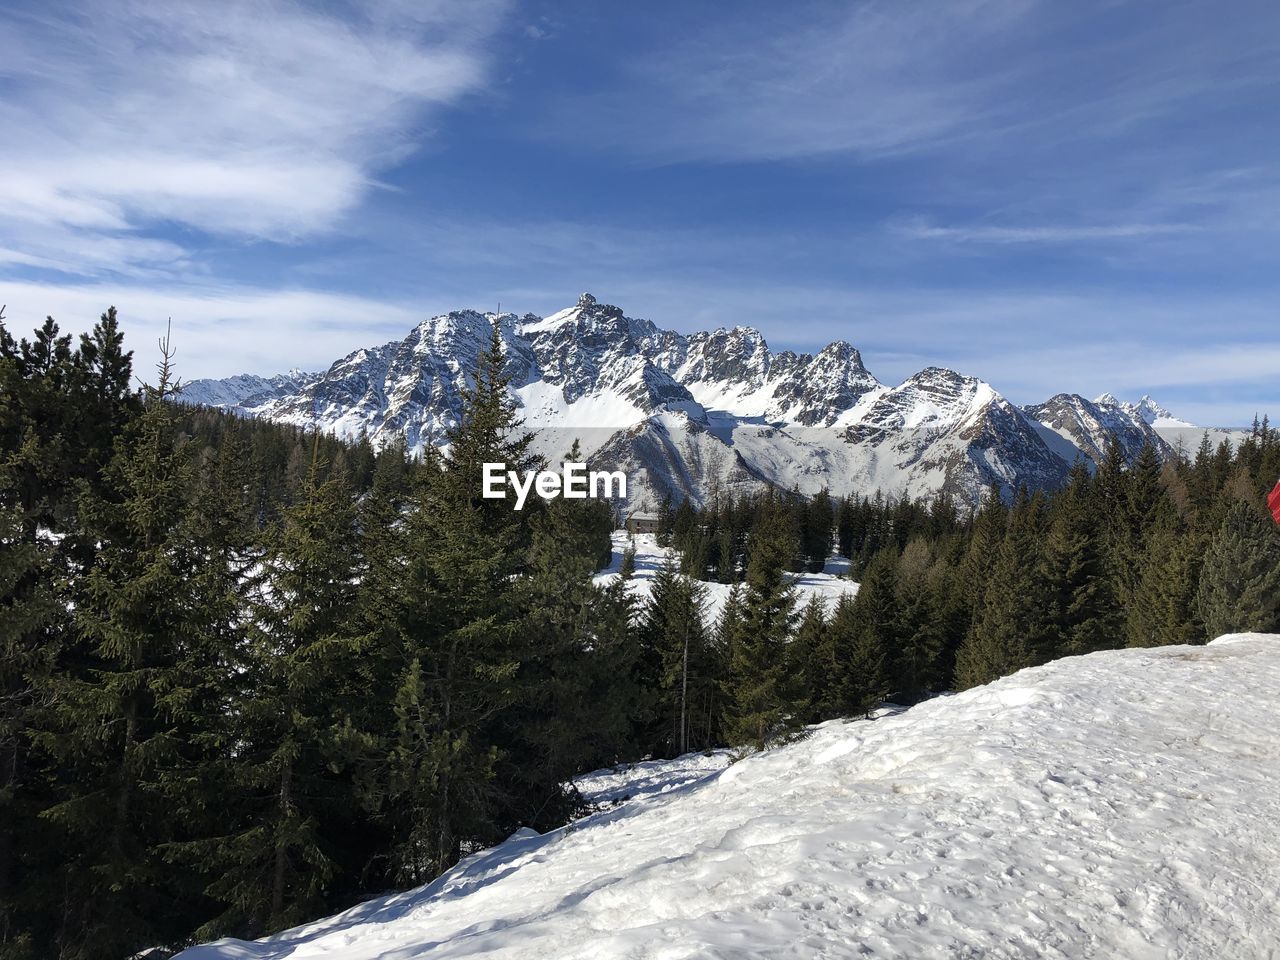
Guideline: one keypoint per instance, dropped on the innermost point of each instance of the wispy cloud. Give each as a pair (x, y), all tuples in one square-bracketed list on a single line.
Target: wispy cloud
[(876, 78), (1037, 233), (881, 78), (259, 120), (219, 329)]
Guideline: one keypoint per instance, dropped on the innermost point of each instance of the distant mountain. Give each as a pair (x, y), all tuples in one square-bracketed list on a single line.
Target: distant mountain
[(1146, 410), (1090, 426), (693, 415)]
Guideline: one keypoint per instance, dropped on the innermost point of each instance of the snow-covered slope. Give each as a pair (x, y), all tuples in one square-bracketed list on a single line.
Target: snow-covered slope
[(1091, 426), (688, 416), (1146, 410), (1119, 805)]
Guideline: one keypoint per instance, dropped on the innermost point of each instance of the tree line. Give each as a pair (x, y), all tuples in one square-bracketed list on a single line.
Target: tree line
[(1139, 554), (250, 675)]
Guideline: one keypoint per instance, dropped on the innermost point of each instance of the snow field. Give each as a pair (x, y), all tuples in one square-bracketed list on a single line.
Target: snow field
[(1119, 805)]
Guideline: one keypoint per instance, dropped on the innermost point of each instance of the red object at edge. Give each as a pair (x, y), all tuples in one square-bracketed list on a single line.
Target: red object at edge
[(1273, 501)]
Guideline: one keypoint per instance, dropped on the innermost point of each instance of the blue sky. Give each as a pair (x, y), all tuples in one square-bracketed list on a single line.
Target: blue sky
[(1052, 196)]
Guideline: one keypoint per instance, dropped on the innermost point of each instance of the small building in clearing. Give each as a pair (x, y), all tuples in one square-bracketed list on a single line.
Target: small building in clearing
[(639, 522)]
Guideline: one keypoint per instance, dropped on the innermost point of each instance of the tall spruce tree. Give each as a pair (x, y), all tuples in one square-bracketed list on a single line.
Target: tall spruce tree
[(1240, 582), (818, 523), (31, 625), (918, 632), (1013, 630), (1082, 613), (1163, 610), (678, 667), (860, 680), (123, 711), (291, 723), (810, 661), (760, 703)]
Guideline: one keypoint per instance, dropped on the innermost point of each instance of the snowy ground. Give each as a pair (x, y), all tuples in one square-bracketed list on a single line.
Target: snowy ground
[(638, 783), (1120, 805), (830, 584)]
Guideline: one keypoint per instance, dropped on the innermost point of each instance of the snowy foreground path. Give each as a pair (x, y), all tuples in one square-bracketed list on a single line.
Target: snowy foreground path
[(1120, 805)]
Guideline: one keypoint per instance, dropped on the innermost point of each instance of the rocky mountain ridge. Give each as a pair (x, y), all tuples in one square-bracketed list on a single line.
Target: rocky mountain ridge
[(707, 412)]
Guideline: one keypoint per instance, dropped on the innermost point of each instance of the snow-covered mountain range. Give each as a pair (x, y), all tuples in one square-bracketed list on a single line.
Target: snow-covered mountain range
[(1121, 804), (690, 415)]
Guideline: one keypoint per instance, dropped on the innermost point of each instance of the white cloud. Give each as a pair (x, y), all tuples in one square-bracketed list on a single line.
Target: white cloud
[(218, 330), (261, 120), (1037, 233)]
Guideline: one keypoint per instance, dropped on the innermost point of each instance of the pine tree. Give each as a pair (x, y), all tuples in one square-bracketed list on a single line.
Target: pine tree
[(726, 553), (469, 669), (819, 519), (760, 706), (673, 651), (1012, 630), (30, 633), (1082, 614), (810, 661), (1136, 496), (990, 524), (124, 712), (291, 721), (575, 707), (1163, 610), (918, 632), (860, 679), (1240, 582)]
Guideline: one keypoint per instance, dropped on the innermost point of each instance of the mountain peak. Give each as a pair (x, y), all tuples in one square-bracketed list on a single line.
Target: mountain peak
[(1151, 411), (692, 414), (1146, 410)]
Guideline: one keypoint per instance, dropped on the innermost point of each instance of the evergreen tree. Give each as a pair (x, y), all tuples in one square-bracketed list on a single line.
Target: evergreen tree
[(726, 553), (124, 711), (990, 524), (290, 728), (30, 630), (760, 705), (1240, 582), (1081, 611), (810, 661), (1013, 630), (918, 630), (819, 518), (860, 680), (678, 668), (1163, 610), (575, 709), (454, 779)]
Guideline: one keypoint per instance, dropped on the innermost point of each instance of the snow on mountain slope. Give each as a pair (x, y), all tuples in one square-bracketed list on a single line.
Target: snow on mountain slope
[(245, 390), (941, 431), (1121, 804), (688, 416), (1146, 410), (1091, 426)]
